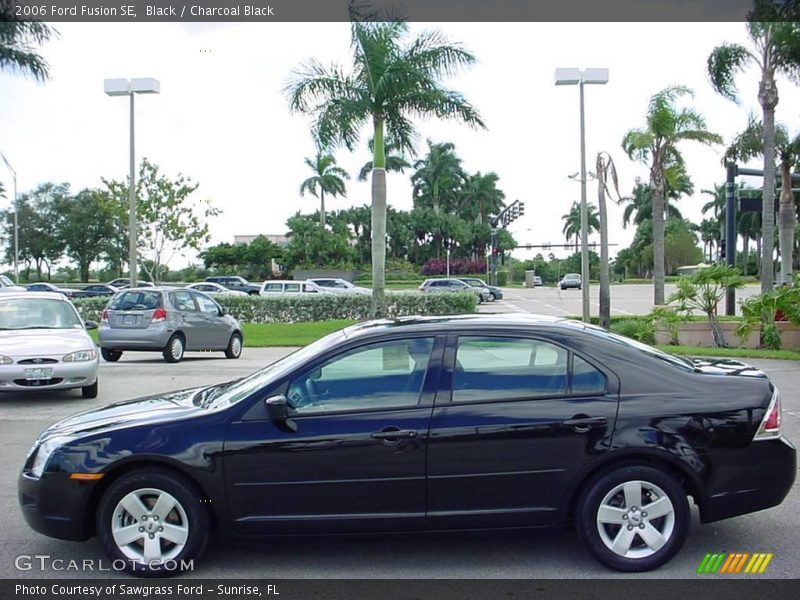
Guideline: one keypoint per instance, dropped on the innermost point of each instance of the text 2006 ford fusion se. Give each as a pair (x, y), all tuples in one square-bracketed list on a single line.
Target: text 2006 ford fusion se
[(423, 424)]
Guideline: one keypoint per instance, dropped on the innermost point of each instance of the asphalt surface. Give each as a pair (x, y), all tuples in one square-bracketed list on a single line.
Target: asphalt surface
[(521, 554)]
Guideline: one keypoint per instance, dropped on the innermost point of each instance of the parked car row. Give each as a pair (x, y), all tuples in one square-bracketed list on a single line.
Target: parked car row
[(484, 292)]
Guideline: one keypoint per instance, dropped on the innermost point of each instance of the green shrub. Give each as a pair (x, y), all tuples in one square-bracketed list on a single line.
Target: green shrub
[(320, 307), (502, 278), (637, 329)]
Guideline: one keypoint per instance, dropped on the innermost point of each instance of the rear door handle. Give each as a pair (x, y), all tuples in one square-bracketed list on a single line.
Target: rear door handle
[(584, 424), (392, 435)]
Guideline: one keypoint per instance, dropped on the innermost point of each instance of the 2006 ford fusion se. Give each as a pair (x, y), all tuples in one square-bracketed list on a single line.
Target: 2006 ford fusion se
[(423, 424)]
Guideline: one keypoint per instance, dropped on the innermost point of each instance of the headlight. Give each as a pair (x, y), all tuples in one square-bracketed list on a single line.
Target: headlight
[(6, 360), (80, 356), (45, 450)]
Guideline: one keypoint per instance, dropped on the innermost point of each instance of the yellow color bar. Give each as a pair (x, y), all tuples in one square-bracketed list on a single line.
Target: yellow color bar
[(767, 558), (86, 476)]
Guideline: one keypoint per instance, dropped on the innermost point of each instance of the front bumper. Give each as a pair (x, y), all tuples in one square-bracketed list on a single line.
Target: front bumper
[(64, 376), (56, 505), (760, 477)]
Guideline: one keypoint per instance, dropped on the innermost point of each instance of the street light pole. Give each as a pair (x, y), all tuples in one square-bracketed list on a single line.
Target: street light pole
[(584, 219), (125, 87), (580, 77), (16, 219)]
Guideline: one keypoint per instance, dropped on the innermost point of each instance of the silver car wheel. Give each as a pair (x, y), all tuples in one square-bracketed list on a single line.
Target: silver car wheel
[(150, 526), (236, 345), (636, 519), (176, 348)]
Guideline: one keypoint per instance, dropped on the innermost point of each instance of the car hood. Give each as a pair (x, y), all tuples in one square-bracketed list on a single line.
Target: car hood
[(43, 342), (140, 411), (12, 288), (726, 366)]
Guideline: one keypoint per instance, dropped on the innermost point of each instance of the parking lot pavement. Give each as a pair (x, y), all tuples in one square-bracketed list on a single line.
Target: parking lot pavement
[(457, 555), (626, 299)]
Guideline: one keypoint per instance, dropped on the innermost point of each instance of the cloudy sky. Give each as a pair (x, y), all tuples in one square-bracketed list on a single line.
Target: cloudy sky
[(222, 119)]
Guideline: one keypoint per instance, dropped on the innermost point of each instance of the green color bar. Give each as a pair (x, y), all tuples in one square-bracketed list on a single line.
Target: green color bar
[(718, 562), (702, 567)]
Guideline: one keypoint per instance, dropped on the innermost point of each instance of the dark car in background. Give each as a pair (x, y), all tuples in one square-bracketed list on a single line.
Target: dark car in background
[(122, 283), (167, 320), (443, 284), (99, 289), (49, 287), (570, 280), (471, 422), (239, 284), (495, 292)]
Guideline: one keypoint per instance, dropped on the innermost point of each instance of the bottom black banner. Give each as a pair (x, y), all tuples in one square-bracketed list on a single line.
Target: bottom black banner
[(388, 589)]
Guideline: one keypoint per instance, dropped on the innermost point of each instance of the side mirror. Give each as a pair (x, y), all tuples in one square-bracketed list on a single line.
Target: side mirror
[(223, 311), (278, 410), (89, 325)]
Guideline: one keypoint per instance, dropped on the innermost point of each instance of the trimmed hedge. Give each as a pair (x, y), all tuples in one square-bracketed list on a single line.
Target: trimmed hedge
[(320, 307)]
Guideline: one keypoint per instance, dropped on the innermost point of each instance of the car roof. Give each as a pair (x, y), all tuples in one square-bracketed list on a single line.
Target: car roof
[(39, 295), (414, 324)]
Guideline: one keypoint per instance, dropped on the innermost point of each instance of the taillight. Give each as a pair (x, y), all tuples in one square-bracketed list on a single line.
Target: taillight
[(770, 427), (104, 316), (421, 288), (159, 314)]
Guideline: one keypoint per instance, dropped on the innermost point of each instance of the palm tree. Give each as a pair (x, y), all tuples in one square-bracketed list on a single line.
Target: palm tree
[(776, 50), (572, 221), (328, 178), (391, 80), (606, 172), (639, 205), (480, 197), (656, 144), (395, 160), (438, 177), (17, 40), (749, 144)]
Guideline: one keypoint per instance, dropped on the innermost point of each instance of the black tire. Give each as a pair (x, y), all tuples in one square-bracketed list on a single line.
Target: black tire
[(674, 527), (494, 298), (90, 391), (173, 351), (188, 513), (563, 288), (110, 355), (234, 349)]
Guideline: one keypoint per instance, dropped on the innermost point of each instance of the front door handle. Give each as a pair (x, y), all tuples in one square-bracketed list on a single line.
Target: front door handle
[(393, 435), (583, 424)]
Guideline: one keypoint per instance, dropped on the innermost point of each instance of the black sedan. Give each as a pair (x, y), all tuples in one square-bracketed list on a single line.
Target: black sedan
[(99, 289), (423, 423), (49, 287)]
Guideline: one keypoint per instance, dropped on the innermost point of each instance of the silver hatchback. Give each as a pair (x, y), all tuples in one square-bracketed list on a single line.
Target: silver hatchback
[(167, 320)]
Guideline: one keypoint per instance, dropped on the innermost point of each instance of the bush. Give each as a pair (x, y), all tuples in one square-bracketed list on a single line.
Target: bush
[(458, 266), (637, 329), (391, 276), (319, 307), (502, 278)]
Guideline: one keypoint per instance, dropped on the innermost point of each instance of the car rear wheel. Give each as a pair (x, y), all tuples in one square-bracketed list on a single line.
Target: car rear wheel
[(173, 352), (90, 391), (633, 518), (153, 523), (110, 355), (234, 349)]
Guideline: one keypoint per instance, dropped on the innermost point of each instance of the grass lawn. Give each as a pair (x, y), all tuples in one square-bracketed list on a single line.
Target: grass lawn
[(732, 352), (259, 335)]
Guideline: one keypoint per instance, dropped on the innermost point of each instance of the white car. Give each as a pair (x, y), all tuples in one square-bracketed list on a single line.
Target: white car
[(6, 285), (44, 345), (215, 289), (275, 288), (339, 286)]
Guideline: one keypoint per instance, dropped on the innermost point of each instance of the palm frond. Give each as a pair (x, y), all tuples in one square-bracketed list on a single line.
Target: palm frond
[(724, 63)]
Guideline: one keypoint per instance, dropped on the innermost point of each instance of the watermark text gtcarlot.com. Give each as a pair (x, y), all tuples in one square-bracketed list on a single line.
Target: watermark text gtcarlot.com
[(45, 562)]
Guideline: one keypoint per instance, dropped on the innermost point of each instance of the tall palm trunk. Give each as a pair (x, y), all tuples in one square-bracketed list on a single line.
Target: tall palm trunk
[(657, 190), (322, 208), (605, 290), (786, 219), (768, 98), (377, 306)]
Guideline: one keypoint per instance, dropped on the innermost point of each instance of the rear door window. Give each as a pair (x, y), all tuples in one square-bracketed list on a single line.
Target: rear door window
[(183, 301), (136, 300)]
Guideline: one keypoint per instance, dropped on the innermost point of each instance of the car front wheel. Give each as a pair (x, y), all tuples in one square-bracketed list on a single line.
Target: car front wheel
[(633, 518), (110, 355), (90, 391), (153, 522)]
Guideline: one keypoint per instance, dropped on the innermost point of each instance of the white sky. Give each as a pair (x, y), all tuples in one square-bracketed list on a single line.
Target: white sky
[(222, 119)]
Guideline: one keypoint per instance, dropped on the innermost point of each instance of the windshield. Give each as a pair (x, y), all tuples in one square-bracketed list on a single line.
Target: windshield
[(239, 390), (38, 313)]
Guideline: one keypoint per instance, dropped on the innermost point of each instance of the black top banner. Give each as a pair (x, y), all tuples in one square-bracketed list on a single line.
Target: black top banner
[(411, 10)]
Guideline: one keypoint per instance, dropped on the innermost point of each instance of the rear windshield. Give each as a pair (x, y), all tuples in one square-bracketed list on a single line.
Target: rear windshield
[(136, 300), (38, 313)]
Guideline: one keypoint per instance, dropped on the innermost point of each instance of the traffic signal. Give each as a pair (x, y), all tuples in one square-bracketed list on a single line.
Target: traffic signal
[(521, 209)]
